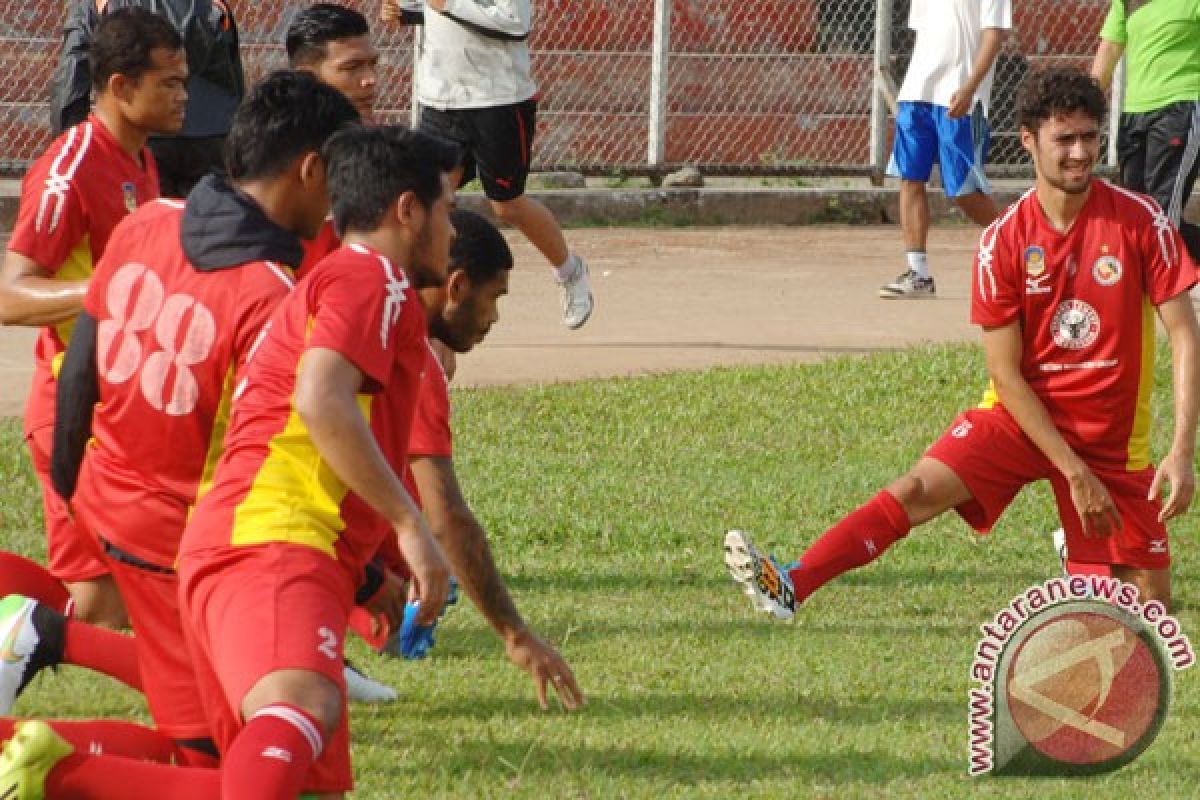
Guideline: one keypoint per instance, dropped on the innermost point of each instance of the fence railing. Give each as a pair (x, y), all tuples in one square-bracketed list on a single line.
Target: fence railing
[(645, 86)]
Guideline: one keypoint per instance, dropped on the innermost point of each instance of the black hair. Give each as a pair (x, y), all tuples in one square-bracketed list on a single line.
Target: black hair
[(1059, 90), (314, 27), (124, 41), (479, 249), (370, 167), (289, 113)]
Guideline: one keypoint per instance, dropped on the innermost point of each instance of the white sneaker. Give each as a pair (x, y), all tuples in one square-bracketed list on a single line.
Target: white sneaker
[(577, 300), (908, 285), (365, 690), (1060, 546), (763, 581), (24, 651)]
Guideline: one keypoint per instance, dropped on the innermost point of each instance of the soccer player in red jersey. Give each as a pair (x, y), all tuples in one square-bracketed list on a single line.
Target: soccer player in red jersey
[(480, 261), (87, 181), (1066, 283), (274, 551), (172, 313)]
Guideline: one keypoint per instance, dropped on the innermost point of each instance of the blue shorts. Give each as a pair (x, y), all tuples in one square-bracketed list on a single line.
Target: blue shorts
[(924, 134)]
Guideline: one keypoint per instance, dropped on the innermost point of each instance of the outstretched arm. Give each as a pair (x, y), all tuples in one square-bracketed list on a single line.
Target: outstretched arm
[(1105, 62), (503, 19), (1177, 469), (1003, 348), (465, 544)]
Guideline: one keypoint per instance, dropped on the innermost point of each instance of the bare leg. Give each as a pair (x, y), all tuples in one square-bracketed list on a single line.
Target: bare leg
[(1152, 584), (928, 490), (537, 223), (979, 207), (914, 215), (98, 602)]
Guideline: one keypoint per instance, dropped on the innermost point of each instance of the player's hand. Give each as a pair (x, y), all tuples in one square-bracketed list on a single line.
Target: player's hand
[(1094, 504), (429, 570), (388, 602), (960, 103), (545, 666), (1178, 473)]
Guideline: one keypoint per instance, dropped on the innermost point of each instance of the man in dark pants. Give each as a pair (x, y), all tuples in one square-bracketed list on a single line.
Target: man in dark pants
[(1159, 140), (215, 83)]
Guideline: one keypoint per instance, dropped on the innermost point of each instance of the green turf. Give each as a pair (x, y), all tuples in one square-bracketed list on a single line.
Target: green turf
[(606, 502)]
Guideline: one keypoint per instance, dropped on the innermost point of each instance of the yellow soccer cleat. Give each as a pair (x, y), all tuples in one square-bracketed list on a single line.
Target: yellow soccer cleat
[(27, 759)]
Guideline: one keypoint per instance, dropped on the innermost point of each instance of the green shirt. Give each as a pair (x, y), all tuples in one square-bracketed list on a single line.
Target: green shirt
[(1162, 51)]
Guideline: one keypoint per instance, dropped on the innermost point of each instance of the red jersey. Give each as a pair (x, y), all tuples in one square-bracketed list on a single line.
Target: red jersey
[(1085, 301), (315, 250), (271, 484), (71, 199), (171, 342)]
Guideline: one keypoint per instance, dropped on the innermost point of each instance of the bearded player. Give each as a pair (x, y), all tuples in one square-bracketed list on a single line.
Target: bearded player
[(1067, 283)]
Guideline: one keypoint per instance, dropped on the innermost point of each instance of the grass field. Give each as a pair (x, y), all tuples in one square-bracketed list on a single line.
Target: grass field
[(606, 502)]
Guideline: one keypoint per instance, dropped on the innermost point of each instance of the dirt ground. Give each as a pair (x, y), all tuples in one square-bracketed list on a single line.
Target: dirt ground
[(673, 299)]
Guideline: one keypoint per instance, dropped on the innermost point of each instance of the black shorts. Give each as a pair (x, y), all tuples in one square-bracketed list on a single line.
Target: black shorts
[(1159, 153), (497, 143)]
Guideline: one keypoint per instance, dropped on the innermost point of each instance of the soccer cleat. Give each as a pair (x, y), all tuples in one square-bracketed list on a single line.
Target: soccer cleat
[(577, 301), (363, 689), (31, 638), (1060, 546), (414, 641), (27, 759), (909, 285), (761, 578)]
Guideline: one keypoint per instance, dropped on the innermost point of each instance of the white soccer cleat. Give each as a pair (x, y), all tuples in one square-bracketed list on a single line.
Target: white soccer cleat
[(362, 689), (761, 578), (1060, 546), (24, 649), (577, 301)]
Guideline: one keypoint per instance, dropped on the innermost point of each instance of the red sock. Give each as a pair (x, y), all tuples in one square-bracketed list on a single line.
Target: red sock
[(860, 538), (19, 575), (109, 736), (270, 757), (104, 651), (82, 776)]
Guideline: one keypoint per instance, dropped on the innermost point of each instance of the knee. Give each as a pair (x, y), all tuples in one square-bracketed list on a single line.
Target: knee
[(309, 691), (98, 603), (508, 210), (909, 490)]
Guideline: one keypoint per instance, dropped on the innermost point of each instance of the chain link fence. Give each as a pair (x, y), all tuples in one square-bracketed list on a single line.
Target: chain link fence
[(644, 86)]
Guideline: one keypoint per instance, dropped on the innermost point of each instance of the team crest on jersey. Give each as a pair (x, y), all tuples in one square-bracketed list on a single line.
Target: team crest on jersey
[(129, 191), (1035, 261), (1106, 270), (1075, 325)]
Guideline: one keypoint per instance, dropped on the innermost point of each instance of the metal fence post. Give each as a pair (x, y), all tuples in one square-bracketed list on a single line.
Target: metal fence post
[(659, 65), (1114, 111), (414, 113), (881, 85)]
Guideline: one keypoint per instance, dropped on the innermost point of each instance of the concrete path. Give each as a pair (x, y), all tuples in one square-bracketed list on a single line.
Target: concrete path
[(689, 298)]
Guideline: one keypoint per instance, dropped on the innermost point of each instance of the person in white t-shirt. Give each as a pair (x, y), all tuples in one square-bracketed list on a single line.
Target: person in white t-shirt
[(474, 88), (942, 118)]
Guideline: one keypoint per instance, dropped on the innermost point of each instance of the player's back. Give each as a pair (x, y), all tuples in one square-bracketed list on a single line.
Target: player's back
[(172, 337)]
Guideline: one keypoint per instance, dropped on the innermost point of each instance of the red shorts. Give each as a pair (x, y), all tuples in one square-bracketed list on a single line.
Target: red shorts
[(994, 458), (251, 611), (71, 555)]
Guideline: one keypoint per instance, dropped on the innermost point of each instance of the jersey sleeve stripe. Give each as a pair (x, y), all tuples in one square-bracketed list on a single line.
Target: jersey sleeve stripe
[(280, 273), (987, 245), (1167, 243), (58, 182)]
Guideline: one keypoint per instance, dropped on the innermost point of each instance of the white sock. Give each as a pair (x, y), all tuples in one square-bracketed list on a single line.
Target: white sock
[(918, 262), (567, 270)]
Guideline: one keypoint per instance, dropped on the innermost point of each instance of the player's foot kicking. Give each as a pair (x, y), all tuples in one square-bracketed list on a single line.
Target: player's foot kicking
[(760, 576), (31, 638), (363, 689), (27, 759), (577, 299), (909, 285)]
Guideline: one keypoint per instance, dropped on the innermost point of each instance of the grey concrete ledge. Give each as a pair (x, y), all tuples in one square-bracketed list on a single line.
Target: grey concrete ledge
[(708, 206)]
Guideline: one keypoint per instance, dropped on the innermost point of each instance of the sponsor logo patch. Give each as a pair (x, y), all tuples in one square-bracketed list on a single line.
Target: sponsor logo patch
[(1076, 325), (1035, 261), (1107, 270)]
